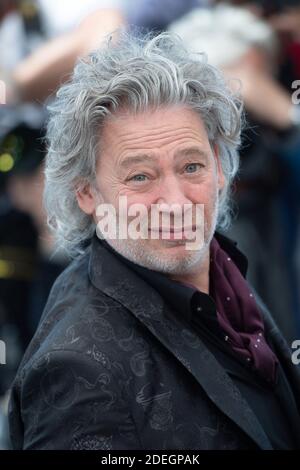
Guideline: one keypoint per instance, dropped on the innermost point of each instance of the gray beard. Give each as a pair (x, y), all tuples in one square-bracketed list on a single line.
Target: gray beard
[(138, 252)]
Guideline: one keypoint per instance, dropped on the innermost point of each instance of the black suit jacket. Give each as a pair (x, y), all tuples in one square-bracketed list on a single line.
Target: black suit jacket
[(111, 366)]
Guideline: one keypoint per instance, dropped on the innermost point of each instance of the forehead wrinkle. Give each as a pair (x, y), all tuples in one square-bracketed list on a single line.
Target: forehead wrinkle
[(160, 132), (134, 142)]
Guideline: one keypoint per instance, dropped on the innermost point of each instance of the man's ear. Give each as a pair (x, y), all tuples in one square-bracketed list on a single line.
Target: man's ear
[(86, 199), (221, 176)]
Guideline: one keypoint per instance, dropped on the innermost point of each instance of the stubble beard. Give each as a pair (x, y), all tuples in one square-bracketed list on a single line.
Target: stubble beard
[(139, 252)]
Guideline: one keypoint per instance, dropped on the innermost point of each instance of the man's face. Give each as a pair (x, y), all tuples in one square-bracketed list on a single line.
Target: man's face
[(156, 157)]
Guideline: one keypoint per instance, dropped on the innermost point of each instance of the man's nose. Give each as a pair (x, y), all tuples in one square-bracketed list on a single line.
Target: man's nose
[(171, 191)]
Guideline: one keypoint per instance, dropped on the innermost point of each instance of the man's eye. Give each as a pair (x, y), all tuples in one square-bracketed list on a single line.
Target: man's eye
[(138, 178), (192, 167)]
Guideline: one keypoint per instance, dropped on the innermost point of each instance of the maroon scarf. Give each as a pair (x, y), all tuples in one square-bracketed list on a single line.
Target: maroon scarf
[(238, 314)]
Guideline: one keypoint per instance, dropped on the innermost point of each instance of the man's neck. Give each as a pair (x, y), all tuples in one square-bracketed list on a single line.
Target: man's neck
[(198, 278)]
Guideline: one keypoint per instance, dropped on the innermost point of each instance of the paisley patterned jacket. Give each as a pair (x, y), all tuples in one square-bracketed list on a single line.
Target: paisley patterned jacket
[(112, 367)]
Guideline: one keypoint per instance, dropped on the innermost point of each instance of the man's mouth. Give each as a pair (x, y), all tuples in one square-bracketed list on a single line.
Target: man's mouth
[(173, 229), (173, 233)]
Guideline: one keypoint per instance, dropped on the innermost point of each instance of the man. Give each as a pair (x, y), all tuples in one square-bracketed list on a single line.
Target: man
[(152, 340)]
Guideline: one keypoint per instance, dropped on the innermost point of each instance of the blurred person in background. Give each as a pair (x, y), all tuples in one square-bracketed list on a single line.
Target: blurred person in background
[(283, 16), (70, 30), (18, 248), (246, 47), (27, 24), (28, 267)]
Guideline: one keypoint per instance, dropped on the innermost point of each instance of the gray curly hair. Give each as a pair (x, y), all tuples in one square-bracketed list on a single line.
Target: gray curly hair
[(137, 71)]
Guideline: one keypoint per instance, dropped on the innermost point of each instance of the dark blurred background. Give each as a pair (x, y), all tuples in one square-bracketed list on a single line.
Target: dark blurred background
[(257, 42)]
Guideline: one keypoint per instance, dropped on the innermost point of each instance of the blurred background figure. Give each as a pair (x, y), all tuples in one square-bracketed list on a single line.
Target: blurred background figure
[(28, 24), (69, 30), (28, 266), (256, 42)]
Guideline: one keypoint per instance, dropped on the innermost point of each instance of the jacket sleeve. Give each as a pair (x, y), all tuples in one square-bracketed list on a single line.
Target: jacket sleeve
[(71, 400)]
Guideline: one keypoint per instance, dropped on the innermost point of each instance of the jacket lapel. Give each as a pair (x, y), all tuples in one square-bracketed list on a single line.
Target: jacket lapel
[(116, 280)]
